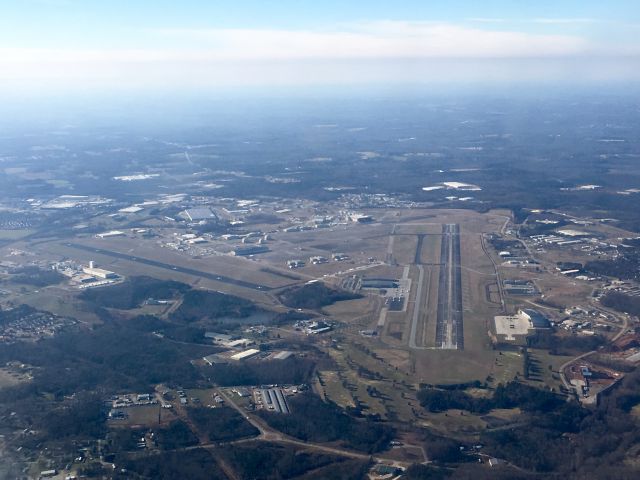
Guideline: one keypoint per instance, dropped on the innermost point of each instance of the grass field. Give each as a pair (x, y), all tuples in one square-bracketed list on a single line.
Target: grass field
[(545, 369), (14, 234), (334, 389), (9, 378), (145, 415), (204, 397), (506, 366), (60, 302)]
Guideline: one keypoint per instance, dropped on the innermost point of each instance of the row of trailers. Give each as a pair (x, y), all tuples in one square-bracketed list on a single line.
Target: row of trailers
[(274, 400)]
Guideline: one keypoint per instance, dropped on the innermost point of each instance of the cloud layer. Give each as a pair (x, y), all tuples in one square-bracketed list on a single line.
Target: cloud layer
[(366, 50)]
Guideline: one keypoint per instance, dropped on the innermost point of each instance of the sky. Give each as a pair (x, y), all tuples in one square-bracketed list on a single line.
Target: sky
[(209, 44)]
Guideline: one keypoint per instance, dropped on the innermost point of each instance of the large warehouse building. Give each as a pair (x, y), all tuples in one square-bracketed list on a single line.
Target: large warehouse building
[(510, 327)]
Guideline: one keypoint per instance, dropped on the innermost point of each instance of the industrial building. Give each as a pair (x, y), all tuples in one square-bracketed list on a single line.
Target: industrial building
[(315, 328), (111, 233), (360, 218), (252, 250), (218, 337), (199, 214), (519, 287), (213, 359), (245, 354), (98, 272), (535, 318), (273, 399), (282, 355), (520, 324), (131, 209), (239, 343)]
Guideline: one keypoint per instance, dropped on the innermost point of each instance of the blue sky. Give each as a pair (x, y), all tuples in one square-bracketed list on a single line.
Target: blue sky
[(188, 43)]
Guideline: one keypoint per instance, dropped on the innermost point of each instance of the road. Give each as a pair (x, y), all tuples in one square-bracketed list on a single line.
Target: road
[(495, 269), (566, 384), (270, 435)]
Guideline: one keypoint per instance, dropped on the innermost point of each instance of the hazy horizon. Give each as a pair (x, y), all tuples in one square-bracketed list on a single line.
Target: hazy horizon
[(62, 45)]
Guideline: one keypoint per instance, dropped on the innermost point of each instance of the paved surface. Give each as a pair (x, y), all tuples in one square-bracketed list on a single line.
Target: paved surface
[(449, 327), (175, 268), (417, 309)]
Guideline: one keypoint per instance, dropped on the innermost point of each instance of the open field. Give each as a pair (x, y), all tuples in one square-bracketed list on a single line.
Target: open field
[(9, 235), (61, 302), (354, 383), (145, 415), (544, 368), (333, 386), (9, 378), (460, 423)]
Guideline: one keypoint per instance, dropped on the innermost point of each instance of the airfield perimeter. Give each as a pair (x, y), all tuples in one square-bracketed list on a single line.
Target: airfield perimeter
[(437, 335)]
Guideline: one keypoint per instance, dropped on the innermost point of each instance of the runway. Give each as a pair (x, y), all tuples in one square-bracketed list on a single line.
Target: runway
[(168, 266), (449, 326)]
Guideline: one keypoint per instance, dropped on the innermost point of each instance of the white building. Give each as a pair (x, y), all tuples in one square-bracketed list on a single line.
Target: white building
[(252, 352), (99, 272)]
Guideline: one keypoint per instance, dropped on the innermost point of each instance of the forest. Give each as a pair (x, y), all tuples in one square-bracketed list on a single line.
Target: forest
[(622, 303), (200, 305), (132, 292), (308, 411), (36, 277), (190, 464), (290, 371), (511, 395), (270, 461), (314, 296), (221, 424), (624, 267)]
